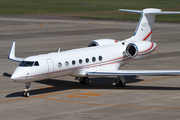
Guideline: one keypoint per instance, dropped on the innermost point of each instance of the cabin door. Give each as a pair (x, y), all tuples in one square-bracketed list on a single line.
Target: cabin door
[(50, 67)]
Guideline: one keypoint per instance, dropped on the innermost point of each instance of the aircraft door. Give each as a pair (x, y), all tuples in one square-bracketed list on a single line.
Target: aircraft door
[(50, 67)]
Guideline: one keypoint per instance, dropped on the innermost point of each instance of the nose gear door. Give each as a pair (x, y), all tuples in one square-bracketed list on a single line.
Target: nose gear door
[(50, 65)]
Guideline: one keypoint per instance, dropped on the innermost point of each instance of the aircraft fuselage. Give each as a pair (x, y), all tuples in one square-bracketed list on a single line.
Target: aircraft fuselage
[(78, 62)]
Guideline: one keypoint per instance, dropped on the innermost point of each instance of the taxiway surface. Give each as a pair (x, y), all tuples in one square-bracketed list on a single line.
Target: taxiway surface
[(64, 98)]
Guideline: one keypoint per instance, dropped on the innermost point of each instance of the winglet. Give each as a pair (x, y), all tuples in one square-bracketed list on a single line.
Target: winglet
[(11, 55)]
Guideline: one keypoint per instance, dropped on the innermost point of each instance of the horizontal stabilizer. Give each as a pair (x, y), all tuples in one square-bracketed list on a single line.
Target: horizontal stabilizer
[(135, 72), (150, 11), (12, 54), (132, 11)]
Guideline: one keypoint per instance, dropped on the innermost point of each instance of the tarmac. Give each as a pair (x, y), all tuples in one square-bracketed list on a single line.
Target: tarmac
[(144, 97)]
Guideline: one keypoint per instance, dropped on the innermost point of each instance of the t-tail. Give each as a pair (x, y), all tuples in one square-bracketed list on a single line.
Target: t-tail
[(144, 28)]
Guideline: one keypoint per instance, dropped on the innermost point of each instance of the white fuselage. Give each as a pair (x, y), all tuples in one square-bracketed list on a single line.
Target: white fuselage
[(78, 62)]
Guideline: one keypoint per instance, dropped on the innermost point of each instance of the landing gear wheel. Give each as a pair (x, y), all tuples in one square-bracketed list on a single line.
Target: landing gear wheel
[(84, 80), (26, 90), (120, 82), (26, 94)]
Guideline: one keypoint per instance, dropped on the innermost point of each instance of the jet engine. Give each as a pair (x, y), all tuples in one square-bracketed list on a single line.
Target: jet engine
[(101, 42), (131, 50), (139, 49)]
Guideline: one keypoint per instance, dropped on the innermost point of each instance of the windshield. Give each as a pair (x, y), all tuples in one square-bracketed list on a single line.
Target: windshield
[(28, 63)]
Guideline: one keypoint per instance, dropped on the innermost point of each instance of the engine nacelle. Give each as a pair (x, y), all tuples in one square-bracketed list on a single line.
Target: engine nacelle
[(140, 49), (131, 50), (101, 42)]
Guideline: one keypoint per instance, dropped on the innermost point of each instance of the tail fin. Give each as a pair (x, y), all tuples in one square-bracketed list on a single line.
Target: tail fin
[(144, 28)]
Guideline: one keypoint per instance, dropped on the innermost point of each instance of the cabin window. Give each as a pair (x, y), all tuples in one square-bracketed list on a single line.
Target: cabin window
[(73, 62), (100, 58), (66, 63), (80, 61), (87, 60), (59, 65), (36, 63), (93, 59)]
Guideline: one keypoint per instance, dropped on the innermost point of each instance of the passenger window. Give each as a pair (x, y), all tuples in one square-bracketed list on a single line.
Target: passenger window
[(93, 59), (100, 58), (80, 61), (66, 63), (87, 60), (73, 62), (59, 65), (36, 63)]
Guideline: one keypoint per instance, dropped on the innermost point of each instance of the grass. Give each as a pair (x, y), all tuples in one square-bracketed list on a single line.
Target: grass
[(99, 9)]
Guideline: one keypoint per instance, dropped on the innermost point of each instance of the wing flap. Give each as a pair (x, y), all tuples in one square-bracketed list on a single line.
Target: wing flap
[(135, 72)]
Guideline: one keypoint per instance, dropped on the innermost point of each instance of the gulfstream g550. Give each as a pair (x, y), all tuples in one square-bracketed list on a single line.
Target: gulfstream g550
[(102, 57)]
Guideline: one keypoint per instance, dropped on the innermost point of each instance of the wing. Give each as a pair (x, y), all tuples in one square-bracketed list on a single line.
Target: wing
[(12, 54), (135, 72)]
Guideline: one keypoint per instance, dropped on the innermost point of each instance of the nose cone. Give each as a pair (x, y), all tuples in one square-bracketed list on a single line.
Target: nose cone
[(16, 76), (19, 75)]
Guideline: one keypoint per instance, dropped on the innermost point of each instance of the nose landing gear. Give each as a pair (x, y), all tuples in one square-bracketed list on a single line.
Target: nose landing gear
[(26, 90)]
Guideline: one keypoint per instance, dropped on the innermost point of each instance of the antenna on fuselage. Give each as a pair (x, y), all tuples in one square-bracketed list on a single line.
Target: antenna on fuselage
[(59, 50)]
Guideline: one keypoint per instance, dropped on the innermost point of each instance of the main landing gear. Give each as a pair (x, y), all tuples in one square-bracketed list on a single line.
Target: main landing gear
[(26, 90), (120, 81), (84, 80)]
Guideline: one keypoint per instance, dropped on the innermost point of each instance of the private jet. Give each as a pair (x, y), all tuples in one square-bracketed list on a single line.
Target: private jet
[(102, 57)]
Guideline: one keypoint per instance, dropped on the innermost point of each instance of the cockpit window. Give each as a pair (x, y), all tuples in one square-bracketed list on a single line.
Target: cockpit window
[(36, 63), (28, 63), (22, 63)]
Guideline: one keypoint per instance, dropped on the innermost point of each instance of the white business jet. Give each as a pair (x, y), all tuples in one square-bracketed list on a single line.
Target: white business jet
[(102, 57)]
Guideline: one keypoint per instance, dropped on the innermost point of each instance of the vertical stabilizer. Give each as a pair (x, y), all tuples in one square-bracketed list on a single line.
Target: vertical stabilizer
[(144, 28)]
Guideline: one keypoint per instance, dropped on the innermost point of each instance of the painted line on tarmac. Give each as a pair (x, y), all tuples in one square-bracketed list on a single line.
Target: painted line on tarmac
[(5, 92), (46, 94), (108, 104), (160, 78), (86, 94), (41, 95), (168, 54), (16, 99)]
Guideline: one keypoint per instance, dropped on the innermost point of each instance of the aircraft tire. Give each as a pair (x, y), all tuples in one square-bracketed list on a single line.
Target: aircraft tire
[(84, 80), (26, 94), (119, 83)]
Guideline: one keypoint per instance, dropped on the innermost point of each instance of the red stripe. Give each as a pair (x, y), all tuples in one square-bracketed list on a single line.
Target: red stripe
[(148, 48), (81, 67), (147, 36), (148, 52), (125, 58)]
